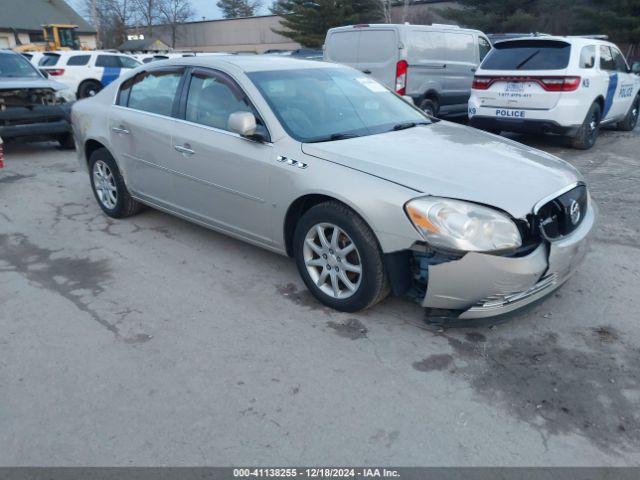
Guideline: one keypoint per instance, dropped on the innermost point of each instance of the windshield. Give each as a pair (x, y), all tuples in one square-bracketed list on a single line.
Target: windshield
[(325, 104), (528, 55), (14, 66)]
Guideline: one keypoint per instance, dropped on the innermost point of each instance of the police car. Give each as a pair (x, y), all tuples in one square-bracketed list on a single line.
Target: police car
[(564, 85), (86, 73)]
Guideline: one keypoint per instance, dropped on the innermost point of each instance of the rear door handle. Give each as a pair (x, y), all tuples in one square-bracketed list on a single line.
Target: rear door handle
[(121, 130), (186, 149), (368, 72)]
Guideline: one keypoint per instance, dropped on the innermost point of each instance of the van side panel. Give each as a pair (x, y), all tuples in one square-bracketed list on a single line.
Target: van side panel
[(374, 51), (427, 59), (379, 54)]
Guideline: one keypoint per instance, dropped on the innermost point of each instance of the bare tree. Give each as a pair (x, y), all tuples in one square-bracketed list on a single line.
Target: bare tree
[(148, 11), (173, 13), (111, 19), (385, 8)]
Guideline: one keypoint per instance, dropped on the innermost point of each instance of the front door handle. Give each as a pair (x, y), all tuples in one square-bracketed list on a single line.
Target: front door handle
[(121, 130), (186, 149), (368, 72)]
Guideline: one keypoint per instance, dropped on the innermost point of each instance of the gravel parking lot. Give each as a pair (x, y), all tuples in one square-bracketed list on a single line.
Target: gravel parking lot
[(152, 341)]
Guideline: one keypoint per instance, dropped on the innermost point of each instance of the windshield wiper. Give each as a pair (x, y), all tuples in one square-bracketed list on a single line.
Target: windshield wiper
[(334, 136), (405, 125), (526, 60)]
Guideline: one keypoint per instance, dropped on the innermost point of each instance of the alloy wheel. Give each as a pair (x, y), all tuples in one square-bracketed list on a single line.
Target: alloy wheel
[(104, 184), (332, 260)]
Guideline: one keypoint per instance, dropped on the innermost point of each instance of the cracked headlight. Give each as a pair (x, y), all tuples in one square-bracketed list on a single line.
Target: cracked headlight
[(463, 226)]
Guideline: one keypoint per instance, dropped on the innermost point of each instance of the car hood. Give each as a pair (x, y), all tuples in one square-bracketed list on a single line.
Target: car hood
[(448, 160), (29, 82)]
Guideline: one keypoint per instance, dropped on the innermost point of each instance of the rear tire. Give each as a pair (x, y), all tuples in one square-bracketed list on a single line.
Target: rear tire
[(430, 107), (631, 120), (108, 186), (351, 256), (587, 135), (89, 88)]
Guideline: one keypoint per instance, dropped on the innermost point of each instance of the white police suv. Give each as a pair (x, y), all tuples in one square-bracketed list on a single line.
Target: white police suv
[(86, 73), (564, 85)]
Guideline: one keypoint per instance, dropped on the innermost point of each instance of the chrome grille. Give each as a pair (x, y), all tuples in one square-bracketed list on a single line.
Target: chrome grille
[(562, 215)]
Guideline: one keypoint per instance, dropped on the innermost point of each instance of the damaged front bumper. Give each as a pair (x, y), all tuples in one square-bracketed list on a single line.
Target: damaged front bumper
[(479, 285)]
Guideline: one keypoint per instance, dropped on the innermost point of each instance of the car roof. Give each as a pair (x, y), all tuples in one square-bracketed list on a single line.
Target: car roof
[(249, 63), (573, 40), (397, 26)]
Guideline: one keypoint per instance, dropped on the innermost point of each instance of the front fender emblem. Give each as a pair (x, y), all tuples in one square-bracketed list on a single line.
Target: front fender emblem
[(291, 162)]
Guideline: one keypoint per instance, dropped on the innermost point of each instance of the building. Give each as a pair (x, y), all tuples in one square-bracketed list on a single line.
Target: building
[(256, 35), (248, 34), (21, 22), (143, 45)]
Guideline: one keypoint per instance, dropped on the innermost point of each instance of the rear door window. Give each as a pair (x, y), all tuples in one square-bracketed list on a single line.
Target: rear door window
[(377, 46), (78, 60), (49, 60), (528, 55), (154, 91), (343, 47), (588, 56)]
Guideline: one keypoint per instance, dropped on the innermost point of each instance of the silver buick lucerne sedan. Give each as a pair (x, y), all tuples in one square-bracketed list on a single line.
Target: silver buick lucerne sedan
[(322, 163)]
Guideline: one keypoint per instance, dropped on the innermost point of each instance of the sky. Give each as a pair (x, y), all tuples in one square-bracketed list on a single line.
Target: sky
[(203, 8)]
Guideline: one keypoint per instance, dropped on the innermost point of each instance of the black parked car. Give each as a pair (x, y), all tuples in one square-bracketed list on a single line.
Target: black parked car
[(31, 105)]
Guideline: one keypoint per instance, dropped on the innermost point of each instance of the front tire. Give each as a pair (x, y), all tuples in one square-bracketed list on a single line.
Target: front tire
[(108, 186), (631, 120), (587, 135), (339, 258)]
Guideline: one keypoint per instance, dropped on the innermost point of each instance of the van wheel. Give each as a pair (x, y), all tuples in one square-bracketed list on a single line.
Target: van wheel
[(339, 258), (430, 107), (631, 120), (89, 88), (108, 186), (588, 132)]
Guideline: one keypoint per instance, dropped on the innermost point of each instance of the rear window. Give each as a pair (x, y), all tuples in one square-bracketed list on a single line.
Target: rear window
[(528, 55), (78, 60), (343, 47), (49, 60), (377, 45)]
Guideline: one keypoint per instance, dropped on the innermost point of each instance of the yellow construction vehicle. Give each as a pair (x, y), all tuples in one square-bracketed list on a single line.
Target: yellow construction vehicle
[(56, 37)]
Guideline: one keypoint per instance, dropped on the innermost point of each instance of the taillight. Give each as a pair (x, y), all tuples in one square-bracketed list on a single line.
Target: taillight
[(401, 77), (55, 72), (481, 83), (1, 155), (550, 84), (560, 84)]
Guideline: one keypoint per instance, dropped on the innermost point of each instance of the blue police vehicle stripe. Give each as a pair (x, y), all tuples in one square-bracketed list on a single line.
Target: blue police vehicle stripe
[(109, 75), (611, 91)]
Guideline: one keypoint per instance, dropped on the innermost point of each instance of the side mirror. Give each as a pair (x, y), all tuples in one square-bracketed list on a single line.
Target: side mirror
[(243, 123), (44, 72), (635, 68)]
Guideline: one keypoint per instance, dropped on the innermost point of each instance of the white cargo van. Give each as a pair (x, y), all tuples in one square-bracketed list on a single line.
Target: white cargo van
[(433, 64)]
